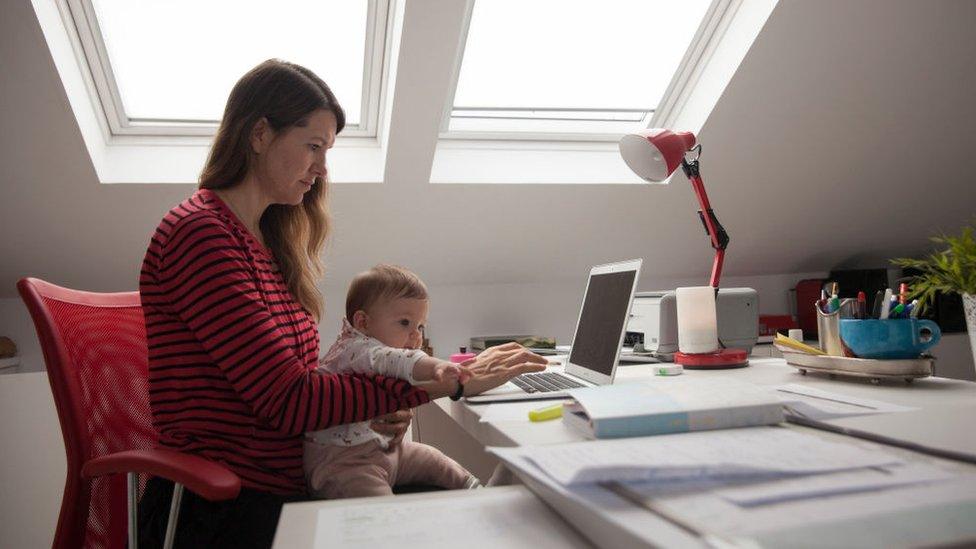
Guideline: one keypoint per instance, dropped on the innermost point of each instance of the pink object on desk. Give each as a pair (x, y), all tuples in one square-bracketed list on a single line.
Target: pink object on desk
[(461, 356)]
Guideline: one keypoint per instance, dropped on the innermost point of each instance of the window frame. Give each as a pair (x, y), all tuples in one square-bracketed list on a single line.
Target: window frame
[(709, 31), (104, 90)]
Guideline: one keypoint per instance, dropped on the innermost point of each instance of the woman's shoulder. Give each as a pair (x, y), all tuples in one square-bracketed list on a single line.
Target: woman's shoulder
[(199, 215)]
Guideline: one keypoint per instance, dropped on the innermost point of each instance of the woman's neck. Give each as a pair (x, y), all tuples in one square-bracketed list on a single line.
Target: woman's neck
[(248, 203)]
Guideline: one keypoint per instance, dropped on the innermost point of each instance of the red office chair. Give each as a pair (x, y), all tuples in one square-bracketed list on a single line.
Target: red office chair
[(97, 362)]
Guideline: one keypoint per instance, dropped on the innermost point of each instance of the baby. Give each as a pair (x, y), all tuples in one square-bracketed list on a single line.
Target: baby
[(386, 309)]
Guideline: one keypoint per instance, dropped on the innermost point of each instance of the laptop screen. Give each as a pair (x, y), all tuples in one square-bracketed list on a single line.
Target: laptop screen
[(602, 321)]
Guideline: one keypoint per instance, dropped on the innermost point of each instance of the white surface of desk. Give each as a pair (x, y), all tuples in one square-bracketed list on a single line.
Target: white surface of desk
[(490, 518), (944, 413), (946, 407)]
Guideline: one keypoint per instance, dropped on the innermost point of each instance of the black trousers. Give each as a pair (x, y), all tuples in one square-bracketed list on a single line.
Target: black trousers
[(246, 522)]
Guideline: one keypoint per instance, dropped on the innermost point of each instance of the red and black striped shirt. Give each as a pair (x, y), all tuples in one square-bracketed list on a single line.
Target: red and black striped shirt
[(233, 356)]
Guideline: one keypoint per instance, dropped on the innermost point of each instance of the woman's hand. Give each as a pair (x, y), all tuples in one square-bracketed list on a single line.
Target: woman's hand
[(394, 424), (497, 365)]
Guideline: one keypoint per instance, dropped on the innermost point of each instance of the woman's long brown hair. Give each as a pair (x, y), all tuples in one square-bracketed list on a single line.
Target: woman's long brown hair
[(284, 94)]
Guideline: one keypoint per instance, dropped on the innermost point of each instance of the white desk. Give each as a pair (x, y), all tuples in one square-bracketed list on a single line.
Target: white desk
[(946, 409), (505, 516), (943, 418)]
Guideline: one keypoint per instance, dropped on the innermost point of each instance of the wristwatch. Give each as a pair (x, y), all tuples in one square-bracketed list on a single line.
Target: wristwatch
[(459, 393)]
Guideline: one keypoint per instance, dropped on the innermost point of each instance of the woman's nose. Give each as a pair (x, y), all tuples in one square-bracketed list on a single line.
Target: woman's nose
[(318, 167)]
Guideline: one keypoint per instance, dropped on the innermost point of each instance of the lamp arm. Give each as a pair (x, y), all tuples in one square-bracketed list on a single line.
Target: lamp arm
[(714, 229)]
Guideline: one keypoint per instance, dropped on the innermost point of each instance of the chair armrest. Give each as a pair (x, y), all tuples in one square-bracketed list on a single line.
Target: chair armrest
[(206, 478)]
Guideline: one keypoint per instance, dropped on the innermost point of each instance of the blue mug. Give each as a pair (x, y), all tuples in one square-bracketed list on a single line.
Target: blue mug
[(894, 338)]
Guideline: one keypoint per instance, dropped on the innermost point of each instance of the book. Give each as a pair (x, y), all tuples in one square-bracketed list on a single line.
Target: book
[(480, 343), (669, 405)]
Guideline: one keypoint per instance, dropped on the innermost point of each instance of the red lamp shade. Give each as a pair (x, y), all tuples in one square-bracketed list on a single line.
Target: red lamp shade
[(655, 153)]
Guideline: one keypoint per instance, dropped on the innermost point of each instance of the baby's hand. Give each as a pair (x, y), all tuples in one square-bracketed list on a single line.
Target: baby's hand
[(445, 371)]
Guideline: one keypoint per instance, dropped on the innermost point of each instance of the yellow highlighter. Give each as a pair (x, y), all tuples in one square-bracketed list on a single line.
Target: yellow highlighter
[(545, 414)]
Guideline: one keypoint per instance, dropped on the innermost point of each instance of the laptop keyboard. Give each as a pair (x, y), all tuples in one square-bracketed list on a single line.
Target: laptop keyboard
[(544, 382)]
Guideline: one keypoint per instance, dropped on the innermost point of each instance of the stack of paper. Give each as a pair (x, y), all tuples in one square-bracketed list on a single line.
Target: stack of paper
[(763, 452), (818, 404)]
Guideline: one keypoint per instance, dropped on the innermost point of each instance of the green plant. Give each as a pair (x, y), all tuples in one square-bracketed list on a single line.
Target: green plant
[(952, 269)]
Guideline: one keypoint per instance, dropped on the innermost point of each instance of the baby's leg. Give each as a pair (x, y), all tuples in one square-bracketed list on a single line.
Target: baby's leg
[(423, 464), (335, 472)]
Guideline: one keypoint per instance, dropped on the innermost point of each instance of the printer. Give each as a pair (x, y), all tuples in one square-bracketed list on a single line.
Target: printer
[(652, 328)]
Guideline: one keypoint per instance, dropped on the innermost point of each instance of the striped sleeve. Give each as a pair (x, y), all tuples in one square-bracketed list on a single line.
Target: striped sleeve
[(209, 280)]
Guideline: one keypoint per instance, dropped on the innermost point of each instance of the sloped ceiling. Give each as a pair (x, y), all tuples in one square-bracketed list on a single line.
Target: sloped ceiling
[(844, 139)]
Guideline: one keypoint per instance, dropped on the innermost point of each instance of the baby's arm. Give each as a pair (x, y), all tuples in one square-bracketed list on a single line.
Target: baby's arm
[(367, 356), (433, 369)]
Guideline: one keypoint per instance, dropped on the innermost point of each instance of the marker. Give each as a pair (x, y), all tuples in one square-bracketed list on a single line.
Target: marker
[(834, 303), (885, 304), (862, 303), (915, 309), (897, 310), (903, 293), (545, 414)]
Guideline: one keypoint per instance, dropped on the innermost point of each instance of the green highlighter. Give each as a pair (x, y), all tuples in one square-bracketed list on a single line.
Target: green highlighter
[(545, 414)]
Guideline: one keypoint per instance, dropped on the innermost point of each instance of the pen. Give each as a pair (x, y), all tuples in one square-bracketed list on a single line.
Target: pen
[(861, 305), (899, 308), (885, 304), (902, 293), (876, 307), (915, 309)]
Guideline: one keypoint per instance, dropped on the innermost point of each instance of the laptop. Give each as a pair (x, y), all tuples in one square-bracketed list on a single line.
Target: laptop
[(596, 345)]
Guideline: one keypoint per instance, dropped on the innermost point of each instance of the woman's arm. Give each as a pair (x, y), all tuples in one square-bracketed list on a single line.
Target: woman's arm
[(204, 274), (492, 368)]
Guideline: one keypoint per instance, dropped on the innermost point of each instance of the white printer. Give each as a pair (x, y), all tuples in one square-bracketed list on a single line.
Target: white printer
[(653, 324)]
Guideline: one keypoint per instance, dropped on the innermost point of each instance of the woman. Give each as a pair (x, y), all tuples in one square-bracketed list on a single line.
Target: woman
[(228, 286)]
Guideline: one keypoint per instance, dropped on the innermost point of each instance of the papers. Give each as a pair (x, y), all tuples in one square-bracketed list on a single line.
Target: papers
[(745, 453), (819, 405), (816, 486), (923, 507), (489, 518)]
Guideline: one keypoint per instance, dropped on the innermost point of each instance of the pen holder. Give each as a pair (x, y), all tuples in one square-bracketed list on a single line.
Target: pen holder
[(828, 327)]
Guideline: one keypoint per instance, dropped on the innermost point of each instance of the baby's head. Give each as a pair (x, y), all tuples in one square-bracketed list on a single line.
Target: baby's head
[(388, 303)]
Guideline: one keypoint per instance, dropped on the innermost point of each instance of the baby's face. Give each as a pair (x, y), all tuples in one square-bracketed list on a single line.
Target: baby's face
[(398, 322)]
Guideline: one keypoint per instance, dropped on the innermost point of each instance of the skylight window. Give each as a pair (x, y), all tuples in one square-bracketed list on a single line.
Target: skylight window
[(570, 66), (167, 66)]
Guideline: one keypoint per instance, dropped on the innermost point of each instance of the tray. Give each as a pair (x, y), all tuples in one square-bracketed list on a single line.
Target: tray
[(875, 370)]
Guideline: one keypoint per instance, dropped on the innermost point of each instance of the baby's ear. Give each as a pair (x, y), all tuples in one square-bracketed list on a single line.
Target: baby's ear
[(360, 320)]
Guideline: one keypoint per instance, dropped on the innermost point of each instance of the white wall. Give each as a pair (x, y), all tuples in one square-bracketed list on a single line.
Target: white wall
[(460, 311)]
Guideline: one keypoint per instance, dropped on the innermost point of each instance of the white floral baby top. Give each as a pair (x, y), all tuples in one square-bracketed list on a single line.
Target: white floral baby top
[(356, 353)]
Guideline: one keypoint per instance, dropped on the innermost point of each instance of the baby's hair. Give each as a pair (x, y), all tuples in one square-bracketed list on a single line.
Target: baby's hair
[(381, 283)]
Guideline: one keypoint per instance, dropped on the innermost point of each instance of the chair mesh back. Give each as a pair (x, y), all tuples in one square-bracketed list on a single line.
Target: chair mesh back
[(107, 385)]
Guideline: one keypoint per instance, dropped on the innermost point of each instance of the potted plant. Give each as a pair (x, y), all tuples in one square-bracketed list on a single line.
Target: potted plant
[(951, 269)]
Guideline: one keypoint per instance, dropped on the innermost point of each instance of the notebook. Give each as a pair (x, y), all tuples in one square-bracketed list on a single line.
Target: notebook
[(665, 406), (596, 347)]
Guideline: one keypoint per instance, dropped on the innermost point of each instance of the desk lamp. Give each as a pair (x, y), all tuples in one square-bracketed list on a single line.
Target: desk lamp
[(655, 154)]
